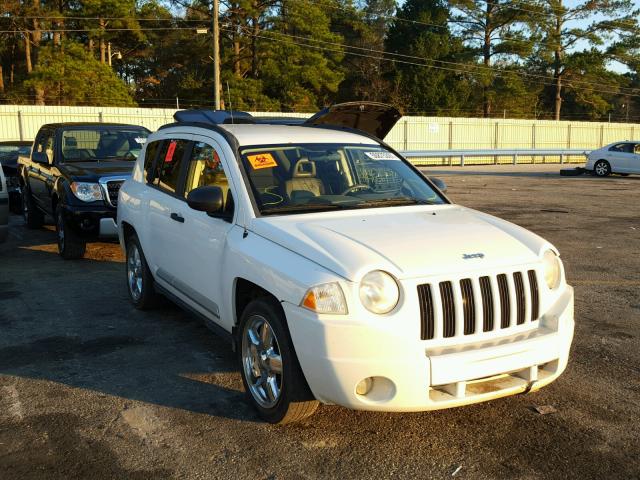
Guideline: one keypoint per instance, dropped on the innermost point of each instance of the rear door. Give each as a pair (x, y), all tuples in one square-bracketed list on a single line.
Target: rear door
[(166, 207), (620, 156), (634, 160)]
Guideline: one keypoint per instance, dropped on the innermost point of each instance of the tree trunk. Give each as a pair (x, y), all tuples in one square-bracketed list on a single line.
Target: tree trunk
[(27, 52), (557, 67), (254, 47), (486, 59), (103, 45), (36, 38), (1, 81)]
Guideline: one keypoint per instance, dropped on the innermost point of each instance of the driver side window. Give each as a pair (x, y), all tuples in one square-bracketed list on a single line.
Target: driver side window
[(45, 145), (206, 170)]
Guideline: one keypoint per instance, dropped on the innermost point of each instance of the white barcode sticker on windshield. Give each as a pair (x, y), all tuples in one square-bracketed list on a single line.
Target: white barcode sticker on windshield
[(140, 140), (381, 156)]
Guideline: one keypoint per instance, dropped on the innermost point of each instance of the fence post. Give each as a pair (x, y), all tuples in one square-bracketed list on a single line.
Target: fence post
[(462, 160), (533, 135), (601, 135), (495, 143), (100, 117), (515, 158), (20, 126), (569, 136), (406, 135), (450, 135), (561, 158)]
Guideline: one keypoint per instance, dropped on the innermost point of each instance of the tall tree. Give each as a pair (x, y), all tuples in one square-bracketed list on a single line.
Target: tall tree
[(493, 29)]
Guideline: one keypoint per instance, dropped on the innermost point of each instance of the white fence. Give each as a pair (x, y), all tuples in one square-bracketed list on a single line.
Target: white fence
[(430, 134)]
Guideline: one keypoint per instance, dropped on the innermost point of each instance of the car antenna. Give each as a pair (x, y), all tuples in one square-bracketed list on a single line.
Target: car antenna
[(230, 106)]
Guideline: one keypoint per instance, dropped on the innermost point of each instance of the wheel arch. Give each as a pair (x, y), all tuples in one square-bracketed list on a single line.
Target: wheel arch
[(244, 292)]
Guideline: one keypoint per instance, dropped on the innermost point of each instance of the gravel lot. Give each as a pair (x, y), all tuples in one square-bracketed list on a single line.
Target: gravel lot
[(90, 387)]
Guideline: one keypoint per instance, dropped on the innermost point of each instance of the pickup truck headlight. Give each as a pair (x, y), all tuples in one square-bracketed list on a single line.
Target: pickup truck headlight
[(552, 269), (325, 298), (379, 292), (87, 192)]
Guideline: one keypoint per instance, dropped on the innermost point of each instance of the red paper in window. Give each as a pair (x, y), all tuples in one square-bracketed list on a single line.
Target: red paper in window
[(168, 158)]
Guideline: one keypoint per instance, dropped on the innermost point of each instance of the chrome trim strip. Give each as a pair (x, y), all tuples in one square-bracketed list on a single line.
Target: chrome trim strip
[(105, 188)]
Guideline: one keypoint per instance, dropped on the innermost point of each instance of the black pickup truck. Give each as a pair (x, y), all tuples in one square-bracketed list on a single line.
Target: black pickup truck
[(74, 174)]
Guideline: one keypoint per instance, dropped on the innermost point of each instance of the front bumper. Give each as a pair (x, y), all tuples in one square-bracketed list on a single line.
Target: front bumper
[(91, 222), (336, 354)]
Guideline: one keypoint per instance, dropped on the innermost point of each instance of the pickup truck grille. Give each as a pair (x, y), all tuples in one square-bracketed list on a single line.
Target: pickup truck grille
[(477, 305), (113, 187)]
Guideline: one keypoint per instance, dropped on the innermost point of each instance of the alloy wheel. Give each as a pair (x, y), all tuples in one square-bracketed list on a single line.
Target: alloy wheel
[(134, 271), (262, 361)]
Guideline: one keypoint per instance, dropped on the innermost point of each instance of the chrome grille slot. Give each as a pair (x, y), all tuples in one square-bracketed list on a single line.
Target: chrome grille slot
[(487, 304), (426, 312), (535, 299), (448, 309), (520, 302), (505, 304), (468, 307)]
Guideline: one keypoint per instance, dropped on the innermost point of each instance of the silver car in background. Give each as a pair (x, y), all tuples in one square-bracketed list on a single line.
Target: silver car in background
[(618, 157)]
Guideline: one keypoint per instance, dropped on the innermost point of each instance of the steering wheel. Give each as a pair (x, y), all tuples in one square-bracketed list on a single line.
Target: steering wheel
[(356, 187)]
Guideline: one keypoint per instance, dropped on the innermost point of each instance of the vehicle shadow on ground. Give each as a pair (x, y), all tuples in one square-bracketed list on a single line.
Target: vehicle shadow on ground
[(71, 322)]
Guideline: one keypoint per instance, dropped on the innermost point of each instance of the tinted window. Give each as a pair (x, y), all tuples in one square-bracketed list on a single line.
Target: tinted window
[(168, 165), (149, 157), (205, 169), (45, 144), (102, 143), (622, 147)]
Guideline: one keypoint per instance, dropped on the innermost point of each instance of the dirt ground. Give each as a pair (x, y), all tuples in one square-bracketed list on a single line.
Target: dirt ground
[(91, 388)]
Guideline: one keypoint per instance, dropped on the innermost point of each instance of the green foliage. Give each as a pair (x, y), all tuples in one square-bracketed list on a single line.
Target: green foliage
[(69, 75)]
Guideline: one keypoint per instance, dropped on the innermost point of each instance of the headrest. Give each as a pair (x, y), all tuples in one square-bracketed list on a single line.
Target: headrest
[(70, 142), (305, 168)]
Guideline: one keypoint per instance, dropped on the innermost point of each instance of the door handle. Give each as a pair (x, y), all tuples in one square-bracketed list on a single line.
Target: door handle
[(177, 217)]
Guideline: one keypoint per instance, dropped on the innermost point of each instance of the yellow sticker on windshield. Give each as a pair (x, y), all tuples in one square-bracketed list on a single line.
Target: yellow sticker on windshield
[(262, 160)]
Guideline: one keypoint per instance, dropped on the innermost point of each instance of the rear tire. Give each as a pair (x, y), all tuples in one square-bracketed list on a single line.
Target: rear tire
[(602, 168), (33, 217), (271, 374), (70, 246), (140, 282)]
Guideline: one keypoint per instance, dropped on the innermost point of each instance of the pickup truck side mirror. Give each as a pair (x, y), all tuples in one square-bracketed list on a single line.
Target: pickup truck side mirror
[(40, 157), (209, 199), (439, 183)]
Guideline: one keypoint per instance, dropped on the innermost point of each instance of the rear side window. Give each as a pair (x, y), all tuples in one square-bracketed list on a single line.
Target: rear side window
[(149, 158), (168, 165), (622, 147)]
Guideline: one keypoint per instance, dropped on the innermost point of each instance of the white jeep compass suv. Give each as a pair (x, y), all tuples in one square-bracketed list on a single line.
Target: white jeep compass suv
[(338, 271)]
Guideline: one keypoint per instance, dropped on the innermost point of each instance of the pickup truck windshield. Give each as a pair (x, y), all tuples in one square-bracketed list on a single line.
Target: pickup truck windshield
[(102, 143), (290, 179)]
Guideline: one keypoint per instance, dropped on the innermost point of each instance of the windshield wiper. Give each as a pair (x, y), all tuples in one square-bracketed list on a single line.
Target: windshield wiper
[(307, 207), (390, 202)]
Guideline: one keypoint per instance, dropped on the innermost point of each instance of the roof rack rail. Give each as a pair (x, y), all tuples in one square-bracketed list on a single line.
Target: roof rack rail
[(212, 117)]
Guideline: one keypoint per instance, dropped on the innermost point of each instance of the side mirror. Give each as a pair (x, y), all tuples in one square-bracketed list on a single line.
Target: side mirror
[(40, 157), (207, 199), (439, 183)]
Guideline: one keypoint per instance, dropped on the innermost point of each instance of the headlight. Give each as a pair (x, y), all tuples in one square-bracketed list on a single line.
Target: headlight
[(87, 192), (325, 298), (379, 292), (552, 269)]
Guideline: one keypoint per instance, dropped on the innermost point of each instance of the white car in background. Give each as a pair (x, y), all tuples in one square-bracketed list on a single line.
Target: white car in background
[(338, 271), (618, 157)]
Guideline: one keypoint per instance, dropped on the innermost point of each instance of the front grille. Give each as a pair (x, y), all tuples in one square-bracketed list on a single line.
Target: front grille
[(504, 302), (113, 187)]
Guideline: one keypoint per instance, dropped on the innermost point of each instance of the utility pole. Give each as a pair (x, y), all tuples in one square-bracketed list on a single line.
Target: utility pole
[(109, 52), (216, 55)]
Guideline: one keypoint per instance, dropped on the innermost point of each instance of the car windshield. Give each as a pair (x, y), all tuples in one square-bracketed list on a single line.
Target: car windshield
[(102, 143), (287, 179)]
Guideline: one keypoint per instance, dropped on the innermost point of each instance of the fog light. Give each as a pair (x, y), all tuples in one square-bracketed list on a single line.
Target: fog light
[(364, 386)]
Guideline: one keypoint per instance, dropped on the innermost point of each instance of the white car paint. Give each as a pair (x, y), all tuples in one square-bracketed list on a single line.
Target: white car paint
[(200, 261), (623, 157)]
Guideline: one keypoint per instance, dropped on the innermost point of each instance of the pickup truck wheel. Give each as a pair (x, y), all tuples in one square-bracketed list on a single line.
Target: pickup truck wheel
[(140, 283), (70, 247), (33, 217), (272, 377)]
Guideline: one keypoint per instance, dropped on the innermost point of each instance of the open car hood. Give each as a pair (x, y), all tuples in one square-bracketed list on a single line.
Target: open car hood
[(376, 119)]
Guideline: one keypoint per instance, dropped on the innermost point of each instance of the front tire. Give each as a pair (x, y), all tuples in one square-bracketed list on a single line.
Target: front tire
[(70, 246), (140, 282), (33, 217), (602, 168), (271, 374)]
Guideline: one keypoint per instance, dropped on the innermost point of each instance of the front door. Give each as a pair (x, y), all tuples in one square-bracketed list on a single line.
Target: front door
[(40, 178), (204, 246)]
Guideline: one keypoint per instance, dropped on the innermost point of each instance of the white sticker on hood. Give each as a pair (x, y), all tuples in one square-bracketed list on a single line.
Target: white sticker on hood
[(381, 156)]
